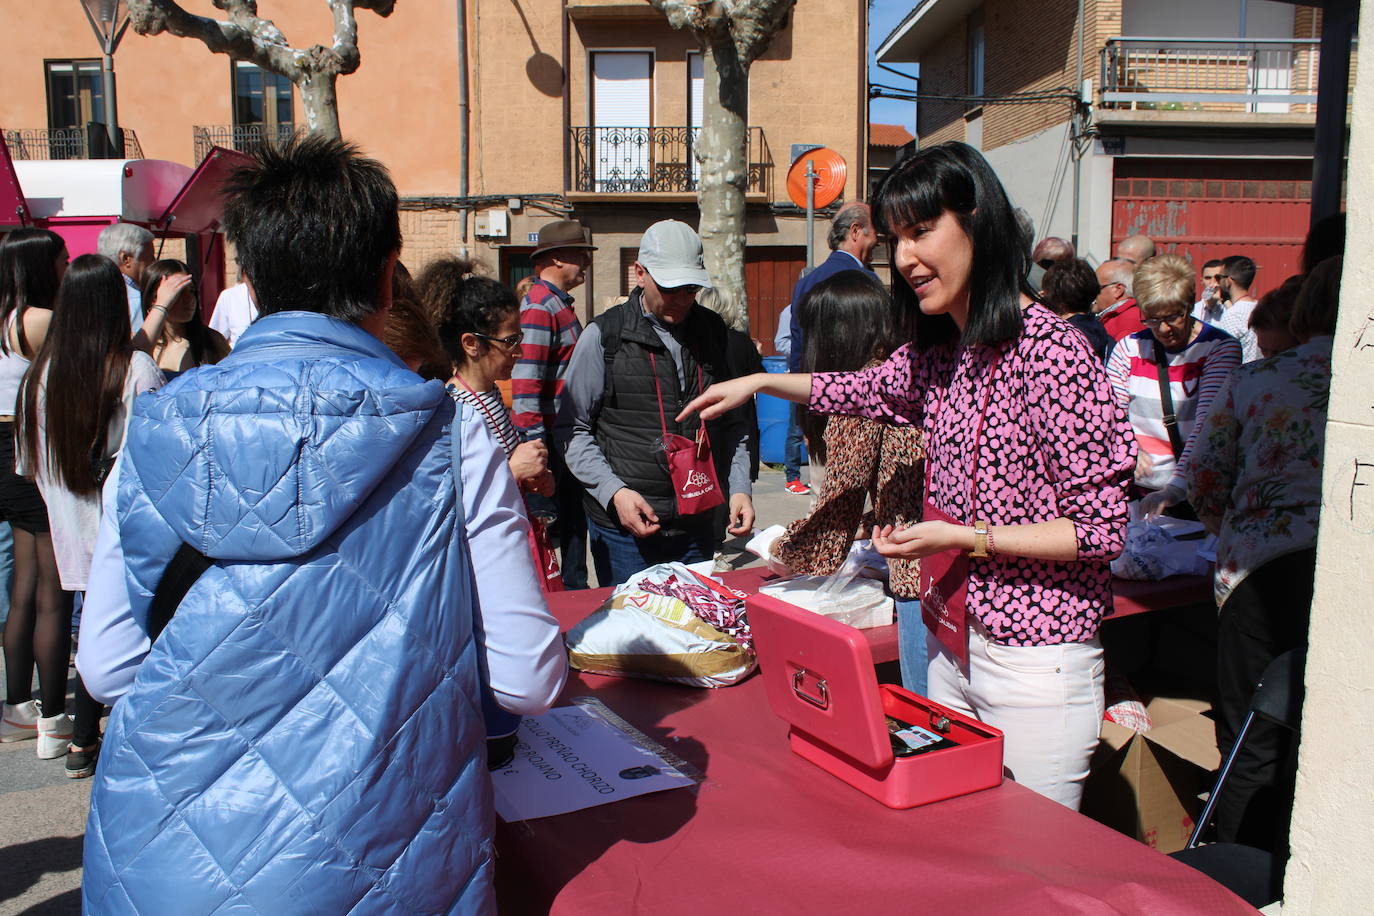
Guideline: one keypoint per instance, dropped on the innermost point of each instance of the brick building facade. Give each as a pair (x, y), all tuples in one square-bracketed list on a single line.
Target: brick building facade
[(1190, 108)]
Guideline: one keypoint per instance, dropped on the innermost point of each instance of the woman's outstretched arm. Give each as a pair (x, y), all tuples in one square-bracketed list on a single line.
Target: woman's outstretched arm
[(725, 396)]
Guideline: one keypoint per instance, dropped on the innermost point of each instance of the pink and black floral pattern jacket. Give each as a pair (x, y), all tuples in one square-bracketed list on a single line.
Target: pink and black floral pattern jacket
[(1053, 443)]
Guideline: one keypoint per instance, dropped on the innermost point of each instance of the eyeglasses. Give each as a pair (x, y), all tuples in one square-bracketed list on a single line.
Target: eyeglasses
[(510, 343), (1157, 323), (690, 289)]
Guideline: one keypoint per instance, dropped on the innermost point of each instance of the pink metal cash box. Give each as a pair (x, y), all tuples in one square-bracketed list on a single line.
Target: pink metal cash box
[(820, 679)]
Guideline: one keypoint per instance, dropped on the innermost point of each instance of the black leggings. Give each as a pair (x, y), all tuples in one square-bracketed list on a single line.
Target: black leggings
[(38, 634), (39, 629)]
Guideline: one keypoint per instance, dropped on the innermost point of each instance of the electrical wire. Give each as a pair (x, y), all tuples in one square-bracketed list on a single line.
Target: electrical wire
[(909, 76)]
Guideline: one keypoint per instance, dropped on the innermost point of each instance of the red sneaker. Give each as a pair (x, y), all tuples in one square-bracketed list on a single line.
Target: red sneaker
[(797, 487)]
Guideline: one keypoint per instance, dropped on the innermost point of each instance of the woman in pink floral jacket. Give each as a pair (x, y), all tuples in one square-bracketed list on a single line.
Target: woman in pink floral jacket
[(1028, 459)]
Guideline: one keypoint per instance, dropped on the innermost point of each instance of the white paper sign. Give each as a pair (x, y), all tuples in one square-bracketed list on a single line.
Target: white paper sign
[(569, 759)]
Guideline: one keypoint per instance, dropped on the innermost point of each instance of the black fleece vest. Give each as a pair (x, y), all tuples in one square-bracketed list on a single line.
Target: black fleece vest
[(628, 429)]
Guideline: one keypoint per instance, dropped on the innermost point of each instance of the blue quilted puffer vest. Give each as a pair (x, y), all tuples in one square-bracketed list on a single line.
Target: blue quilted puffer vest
[(306, 736)]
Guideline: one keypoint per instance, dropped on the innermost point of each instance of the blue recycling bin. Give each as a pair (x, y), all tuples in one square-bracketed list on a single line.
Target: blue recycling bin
[(773, 416)]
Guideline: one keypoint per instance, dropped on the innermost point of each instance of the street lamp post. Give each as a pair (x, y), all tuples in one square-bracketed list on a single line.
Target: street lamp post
[(109, 19)]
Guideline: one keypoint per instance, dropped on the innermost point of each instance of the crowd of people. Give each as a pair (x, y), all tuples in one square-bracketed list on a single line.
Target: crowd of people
[(988, 422)]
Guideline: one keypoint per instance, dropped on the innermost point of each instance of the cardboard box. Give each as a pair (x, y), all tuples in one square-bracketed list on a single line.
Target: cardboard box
[(1147, 785)]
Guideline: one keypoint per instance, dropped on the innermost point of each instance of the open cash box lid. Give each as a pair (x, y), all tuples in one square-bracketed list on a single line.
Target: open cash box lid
[(819, 677)]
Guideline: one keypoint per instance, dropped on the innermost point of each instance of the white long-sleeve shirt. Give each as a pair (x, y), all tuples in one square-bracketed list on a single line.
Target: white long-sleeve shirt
[(525, 659)]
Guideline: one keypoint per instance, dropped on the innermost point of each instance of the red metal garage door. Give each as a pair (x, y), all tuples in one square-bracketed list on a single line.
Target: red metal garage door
[(1212, 208), (770, 272)]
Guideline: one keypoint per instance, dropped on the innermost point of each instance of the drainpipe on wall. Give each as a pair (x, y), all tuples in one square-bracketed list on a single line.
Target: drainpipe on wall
[(861, 189), (462, 39), (1333, 89), (1075, 125), (567, 108)]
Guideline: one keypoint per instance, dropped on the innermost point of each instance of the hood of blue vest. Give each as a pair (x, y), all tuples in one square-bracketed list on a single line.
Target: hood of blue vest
[(262, 457)]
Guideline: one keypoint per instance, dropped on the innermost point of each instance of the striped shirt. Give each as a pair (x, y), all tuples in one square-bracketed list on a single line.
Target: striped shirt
[(551, 330), (1196, 374), (492, 410)]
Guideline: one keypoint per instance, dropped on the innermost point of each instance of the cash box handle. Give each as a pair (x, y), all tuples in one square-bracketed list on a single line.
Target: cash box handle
[(820, 702)]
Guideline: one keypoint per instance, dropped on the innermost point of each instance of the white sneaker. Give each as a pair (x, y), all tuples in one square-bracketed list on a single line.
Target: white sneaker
[(54, 736), (19, 723)]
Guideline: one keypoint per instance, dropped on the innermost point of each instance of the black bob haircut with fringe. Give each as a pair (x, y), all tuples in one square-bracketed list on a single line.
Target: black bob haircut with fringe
[(955, 177)]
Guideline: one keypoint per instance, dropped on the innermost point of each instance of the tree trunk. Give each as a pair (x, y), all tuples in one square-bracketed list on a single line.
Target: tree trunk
[(321, 102), (722, 150)]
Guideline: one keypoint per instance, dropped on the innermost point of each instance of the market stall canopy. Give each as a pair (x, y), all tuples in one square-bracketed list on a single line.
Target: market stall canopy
[(133, 190), (199, 205), (13, 212)]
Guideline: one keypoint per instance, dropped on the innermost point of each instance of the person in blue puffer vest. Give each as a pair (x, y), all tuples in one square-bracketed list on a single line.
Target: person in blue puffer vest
[(306, 735)]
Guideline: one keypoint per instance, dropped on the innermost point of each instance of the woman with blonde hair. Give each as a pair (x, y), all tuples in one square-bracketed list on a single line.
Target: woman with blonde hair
[(1166, 376)]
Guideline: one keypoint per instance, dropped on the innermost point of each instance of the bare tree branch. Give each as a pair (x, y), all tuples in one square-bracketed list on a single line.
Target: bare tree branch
[(247, 36), (732, 33), (244, 37)]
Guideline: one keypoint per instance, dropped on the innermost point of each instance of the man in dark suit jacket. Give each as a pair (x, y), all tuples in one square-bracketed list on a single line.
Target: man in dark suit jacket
[(852, 240)]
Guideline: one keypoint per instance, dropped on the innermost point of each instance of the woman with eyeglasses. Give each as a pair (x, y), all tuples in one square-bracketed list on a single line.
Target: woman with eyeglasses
[(185, 341), (478, 320), (1166, 378)]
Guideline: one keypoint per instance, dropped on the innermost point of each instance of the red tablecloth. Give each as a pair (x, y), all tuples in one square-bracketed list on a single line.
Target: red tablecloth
[(770, 833)]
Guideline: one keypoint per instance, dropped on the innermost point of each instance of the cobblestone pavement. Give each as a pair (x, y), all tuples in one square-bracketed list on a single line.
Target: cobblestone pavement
[(43, 814)]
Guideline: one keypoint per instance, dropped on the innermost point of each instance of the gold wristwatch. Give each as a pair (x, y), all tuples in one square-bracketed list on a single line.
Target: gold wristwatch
[(980, 539)]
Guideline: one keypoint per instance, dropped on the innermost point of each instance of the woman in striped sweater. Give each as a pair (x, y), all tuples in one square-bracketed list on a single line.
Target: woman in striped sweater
[(1195, 358)]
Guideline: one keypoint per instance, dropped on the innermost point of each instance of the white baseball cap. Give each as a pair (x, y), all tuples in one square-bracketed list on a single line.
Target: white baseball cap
[(671, 252)]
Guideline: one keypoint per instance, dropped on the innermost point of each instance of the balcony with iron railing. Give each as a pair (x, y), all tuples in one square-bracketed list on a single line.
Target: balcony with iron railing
[(90, 142), (1255, 76), (246, 138), (653, 160)]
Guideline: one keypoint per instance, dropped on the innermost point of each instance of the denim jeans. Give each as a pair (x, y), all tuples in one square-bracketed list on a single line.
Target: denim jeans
[(911, 645), (618, 556), (792, 446)]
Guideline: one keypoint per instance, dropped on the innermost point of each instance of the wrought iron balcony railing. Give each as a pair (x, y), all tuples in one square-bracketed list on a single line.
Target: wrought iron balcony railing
[(246, 138), (1257, 75), (636, 160), (67, 143)]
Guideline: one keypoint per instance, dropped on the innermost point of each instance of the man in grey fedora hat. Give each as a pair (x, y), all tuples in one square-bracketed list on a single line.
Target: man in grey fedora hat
[(635, 368), (550, 328)]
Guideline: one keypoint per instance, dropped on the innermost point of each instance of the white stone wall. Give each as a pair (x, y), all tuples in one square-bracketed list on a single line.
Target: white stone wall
[(1038, 177), (1332, 837)]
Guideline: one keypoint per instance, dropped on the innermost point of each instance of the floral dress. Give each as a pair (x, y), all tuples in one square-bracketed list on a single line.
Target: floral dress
[(1257, 467), (868, 460)]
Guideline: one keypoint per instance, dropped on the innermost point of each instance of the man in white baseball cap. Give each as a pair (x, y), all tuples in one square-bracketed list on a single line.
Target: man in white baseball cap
[(634, 368)]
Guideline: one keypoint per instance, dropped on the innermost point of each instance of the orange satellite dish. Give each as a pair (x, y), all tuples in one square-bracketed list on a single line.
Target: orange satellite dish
[(831, 174)]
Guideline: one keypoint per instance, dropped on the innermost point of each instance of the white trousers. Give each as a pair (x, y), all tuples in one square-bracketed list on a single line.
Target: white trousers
[(1046, 700)]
